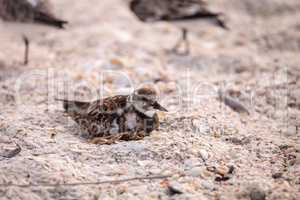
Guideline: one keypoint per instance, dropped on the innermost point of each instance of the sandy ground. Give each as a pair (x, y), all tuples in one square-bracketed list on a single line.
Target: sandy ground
[(207, 150)]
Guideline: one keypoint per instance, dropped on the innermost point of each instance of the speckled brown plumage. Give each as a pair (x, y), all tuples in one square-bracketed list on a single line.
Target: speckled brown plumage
[(123, 114)]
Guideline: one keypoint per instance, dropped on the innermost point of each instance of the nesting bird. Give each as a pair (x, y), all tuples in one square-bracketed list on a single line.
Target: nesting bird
[(18, 15), (125, 117), (179, 11)]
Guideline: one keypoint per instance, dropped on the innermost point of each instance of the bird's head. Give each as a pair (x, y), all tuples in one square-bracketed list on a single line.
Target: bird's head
[(145, 100)]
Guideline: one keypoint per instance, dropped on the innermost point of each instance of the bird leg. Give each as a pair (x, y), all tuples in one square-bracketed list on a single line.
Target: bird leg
[(183, 40), (186, 42), (26, 42)]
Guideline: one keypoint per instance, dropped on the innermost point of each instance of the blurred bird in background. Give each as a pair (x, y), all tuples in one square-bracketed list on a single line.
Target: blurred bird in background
[(26, 17), (179, 12)]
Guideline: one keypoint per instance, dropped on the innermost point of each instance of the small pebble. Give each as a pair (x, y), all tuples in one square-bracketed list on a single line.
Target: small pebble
[(175, 188), (295, 94), (277, 175), (208, 185), (290, 131), (195, 172), (237, 141), (11, 152), (222, 178), (204, 154), (190, 163), (221, 170), (257, 194), (231, 169), (233, 103)]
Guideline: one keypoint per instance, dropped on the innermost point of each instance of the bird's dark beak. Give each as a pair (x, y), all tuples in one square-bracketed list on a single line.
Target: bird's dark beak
[(157, 106)]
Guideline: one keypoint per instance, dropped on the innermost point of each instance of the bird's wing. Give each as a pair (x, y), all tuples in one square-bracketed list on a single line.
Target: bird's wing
[(75, 107), (108, 106), (185, 9), (31, 11), (43, 14), (175, 10), (97, 109), (153, 10)]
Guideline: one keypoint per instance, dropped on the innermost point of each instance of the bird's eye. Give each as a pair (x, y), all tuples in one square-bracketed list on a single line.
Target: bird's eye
[(144, 99)]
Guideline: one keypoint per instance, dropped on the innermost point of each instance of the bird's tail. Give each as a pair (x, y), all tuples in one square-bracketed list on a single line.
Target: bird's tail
[(215, 18), (46, 19), (74, 106), (220, 21)]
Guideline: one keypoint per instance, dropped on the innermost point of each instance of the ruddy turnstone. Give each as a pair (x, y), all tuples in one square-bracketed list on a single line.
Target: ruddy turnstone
[(124, 117), (179, 11), (18, 15)]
